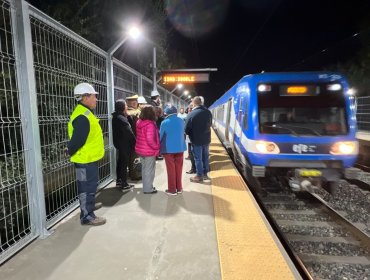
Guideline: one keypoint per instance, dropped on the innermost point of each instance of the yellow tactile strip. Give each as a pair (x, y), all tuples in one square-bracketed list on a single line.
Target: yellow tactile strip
[(246, 248)]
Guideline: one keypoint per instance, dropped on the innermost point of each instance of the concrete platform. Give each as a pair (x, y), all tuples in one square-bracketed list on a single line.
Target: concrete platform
[(146, 237)]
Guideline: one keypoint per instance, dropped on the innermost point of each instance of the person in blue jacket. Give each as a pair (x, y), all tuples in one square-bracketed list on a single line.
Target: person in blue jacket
[(172, 148)]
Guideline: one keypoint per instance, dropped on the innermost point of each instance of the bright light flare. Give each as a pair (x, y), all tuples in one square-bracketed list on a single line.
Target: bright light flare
[(264, 88), (344, 148), (134, 32), (351, 91), (334, 87), (264, 147)]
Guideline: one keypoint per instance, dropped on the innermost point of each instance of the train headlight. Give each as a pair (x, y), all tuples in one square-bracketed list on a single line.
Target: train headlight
[(264, 88), (334, 87), (264, 147), (344, 148)]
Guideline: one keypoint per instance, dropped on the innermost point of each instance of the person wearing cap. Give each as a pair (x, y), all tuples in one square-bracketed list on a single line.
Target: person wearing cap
[(155, 99), (142, 102), (198, 127), (172, 148), (133, 112), (124, 141), (86, 148)]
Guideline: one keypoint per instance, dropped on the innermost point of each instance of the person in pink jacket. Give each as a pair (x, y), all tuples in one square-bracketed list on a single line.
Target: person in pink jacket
[(147, 146)]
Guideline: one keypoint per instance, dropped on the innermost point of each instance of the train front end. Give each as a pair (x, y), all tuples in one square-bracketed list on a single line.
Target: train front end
[(305, 128)]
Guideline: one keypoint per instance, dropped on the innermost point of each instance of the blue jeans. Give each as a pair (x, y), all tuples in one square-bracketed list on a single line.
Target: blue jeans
[(87, 182), (201, 156)]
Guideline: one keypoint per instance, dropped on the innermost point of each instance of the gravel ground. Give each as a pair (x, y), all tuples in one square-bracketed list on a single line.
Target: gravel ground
[(350, 199), (302, 217), (329, 248), (340, 271), (286, 206), (314, 231)]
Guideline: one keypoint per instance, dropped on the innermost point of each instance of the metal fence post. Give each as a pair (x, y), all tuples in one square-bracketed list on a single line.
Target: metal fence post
[(140, 85), (29, 113), (110, 100)]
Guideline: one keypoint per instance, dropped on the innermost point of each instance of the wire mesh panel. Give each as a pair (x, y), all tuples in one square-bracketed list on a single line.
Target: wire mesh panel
[(126, 83), (62, 61), (15, 225), (147, 88), (363, 113)]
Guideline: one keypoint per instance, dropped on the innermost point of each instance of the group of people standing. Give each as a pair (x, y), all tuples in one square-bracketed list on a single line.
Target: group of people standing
[(141, 132)]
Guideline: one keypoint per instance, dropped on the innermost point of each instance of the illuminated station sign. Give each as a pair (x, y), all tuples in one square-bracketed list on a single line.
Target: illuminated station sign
[(184, 78)]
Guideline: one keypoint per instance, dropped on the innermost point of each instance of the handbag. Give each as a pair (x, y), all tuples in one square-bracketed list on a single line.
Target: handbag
[(137, 166)]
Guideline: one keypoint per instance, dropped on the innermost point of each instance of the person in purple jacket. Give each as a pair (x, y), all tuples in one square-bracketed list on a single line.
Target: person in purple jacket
[(147, 146)]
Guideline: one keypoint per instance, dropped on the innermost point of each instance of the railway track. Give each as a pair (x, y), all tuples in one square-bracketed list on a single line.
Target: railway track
[(328, 235)]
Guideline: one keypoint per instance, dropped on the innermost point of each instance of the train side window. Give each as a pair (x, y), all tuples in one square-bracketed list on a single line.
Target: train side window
[(245, 118)]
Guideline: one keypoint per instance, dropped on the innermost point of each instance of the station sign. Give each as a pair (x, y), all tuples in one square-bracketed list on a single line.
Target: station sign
[(185, 78)]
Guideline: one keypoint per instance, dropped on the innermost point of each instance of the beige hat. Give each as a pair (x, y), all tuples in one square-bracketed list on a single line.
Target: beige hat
[(132, 97)]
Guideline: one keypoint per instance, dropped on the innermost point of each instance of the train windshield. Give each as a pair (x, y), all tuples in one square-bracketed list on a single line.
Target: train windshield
[(322, 113)]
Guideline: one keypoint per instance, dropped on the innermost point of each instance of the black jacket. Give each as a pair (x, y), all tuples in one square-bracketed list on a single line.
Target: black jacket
[(198, 126), (123, 137)]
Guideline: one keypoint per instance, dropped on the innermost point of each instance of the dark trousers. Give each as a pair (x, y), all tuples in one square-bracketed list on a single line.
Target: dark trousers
[(201, 156), (191, 156), (87, 176), (174, 164), (123, 158)]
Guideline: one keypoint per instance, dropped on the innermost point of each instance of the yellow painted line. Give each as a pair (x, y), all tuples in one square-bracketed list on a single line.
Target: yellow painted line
[(246, 247)]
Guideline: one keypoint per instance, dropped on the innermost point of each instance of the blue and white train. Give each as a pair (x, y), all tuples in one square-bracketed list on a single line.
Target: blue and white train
[(299, 125)]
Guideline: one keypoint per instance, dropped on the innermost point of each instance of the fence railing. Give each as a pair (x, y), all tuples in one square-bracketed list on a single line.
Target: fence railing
[(363, 113), (41, 61)]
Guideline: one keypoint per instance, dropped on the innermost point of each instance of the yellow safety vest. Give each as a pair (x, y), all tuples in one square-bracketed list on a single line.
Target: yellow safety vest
[(93, 149)]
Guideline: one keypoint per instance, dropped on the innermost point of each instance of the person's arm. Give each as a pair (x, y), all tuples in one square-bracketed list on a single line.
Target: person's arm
[(188, 125), (127, 129), (161, 130), (151, 137), (81, 129)]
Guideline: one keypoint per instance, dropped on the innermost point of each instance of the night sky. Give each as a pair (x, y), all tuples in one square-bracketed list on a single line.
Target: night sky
[(243, 37)]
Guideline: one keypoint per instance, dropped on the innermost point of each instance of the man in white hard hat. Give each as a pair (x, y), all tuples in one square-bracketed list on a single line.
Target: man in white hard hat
[(142, 102), (86, 148), (155, 99)]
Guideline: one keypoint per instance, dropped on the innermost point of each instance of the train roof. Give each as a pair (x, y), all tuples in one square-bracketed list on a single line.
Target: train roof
[(319, 76)]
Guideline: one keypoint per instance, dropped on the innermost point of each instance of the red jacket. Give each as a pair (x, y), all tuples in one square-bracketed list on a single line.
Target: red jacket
[(147, 138)]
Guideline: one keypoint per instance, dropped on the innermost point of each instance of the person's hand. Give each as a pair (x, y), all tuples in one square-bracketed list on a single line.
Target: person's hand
[(66, 152)]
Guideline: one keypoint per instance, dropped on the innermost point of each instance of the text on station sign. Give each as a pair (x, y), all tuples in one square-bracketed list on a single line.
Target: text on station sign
[(185, 78)]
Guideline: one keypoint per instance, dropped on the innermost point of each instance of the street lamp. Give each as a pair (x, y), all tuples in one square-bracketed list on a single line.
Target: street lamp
[(133, 32), (178, 86), (186, 92)]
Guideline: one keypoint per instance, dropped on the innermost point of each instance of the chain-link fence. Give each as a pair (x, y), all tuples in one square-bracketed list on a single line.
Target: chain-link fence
[(41, 61)]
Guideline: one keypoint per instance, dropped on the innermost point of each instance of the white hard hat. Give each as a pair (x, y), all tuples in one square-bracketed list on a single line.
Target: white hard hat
[(154, 93), (84, 88), (141, 100)]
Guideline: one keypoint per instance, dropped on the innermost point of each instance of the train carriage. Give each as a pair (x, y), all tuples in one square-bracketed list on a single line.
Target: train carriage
[(299, 125)]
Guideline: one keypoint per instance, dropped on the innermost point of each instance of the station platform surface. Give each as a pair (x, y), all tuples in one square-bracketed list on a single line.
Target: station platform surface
[(212, 231), (363, 135)]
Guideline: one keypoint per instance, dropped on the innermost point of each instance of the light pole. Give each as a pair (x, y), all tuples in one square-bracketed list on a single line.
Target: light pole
[(154, 69), (134, 33)]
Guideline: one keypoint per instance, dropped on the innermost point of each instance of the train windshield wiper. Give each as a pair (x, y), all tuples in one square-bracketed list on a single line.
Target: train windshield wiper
[(274, 126)]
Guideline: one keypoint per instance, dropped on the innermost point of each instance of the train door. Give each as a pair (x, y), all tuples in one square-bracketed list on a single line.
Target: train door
[(227, 124), (237, 122)]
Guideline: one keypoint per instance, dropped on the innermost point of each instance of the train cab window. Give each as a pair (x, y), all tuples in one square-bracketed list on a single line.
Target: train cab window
[(322, 114)]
